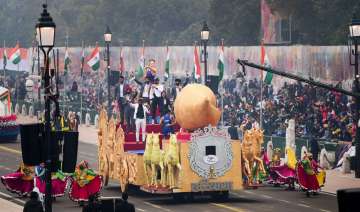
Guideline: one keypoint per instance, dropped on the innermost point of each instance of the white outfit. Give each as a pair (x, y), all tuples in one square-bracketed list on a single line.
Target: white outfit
[(140, 123), (146, 91), (121, 90), (156, 90)]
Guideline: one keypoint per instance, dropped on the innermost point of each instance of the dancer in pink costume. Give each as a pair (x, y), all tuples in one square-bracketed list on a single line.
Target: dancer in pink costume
[(20, 182), (84, 183), (58, 182), (306, 175)]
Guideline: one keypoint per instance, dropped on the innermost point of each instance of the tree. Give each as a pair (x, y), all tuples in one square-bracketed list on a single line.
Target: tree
[(237, 21)]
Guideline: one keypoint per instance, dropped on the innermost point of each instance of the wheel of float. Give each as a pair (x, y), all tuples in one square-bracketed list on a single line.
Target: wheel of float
[(190, 197), (220, 195), (178, 196)]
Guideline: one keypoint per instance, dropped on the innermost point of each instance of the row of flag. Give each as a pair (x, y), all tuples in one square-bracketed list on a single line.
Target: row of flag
[(93, 61)]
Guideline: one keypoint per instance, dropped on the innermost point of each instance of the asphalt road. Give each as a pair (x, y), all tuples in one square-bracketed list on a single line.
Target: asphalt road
[(264, 199)]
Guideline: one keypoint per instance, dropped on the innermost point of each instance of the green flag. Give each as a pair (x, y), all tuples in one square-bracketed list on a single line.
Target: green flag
[(167, 63), (140, 70), (67, 62)]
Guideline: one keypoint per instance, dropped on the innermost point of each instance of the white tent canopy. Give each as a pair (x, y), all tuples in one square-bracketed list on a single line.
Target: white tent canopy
[(3, 92), (4, 110)]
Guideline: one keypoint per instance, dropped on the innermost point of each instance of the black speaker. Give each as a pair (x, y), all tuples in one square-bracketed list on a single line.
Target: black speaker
[(114, 77), (55, 140), (213, 83), (107, 205), (347, 199), (31, 143), (70, 150)]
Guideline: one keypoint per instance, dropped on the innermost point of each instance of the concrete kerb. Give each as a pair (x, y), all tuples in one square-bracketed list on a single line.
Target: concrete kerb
[(10, 204)]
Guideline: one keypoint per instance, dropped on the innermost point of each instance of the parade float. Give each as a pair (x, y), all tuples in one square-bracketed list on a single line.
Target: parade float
[(199, 158), (9, 129)]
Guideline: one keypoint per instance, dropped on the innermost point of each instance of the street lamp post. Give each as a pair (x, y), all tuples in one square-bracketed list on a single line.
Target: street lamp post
[(45, 29), (107, 38), (354, 40), (205, 32)]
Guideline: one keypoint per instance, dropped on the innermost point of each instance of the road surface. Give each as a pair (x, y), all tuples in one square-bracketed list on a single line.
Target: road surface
[(264, 199)]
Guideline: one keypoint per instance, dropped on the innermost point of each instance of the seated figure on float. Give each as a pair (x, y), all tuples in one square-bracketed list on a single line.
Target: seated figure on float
[(285, 173), (20, 182), (58, 182), (310, 176), (84, 183)]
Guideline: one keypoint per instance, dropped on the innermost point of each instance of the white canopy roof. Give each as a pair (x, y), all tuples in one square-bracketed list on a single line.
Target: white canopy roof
[(3, 91)]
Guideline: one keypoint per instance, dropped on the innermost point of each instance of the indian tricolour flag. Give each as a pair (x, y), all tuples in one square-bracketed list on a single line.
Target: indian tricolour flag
[(265, 62), (221, 64), (140, 70), (94, 59), (15, 55), (197, 70), (167, 63)]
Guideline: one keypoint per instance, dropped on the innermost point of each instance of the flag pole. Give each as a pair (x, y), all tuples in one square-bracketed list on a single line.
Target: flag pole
[(261, 88), (143, 52), (4, 63), (121, 59), (195, 80), (18, 67), (167, 52), (81, 77), (222, 94), (100, 89), (65, 106)]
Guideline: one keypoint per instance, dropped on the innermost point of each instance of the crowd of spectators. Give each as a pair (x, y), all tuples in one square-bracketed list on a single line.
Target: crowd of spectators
[(317, 112)]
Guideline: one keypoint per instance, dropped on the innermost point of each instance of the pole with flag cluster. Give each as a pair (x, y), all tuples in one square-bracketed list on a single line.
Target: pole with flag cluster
[(67, 59), (4, 61), (264, 60), (15, 58), (221, 64), (82, 60), (197, 70), (167, 63), (121, 64), (15, 54), (94, 58), (140, 70)]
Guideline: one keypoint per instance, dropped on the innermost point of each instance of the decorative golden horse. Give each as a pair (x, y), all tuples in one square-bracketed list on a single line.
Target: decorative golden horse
[(147, 158), (251, 153), (155, 159), (172, 161)]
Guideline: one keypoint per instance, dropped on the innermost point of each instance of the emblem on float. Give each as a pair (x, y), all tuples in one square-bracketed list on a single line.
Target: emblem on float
[(210, 152)]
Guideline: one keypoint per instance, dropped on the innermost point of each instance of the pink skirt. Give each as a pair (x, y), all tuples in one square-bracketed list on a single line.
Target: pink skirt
[(78, 193), (283, 173), (14, 183), (57, 187), (306, 181)]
